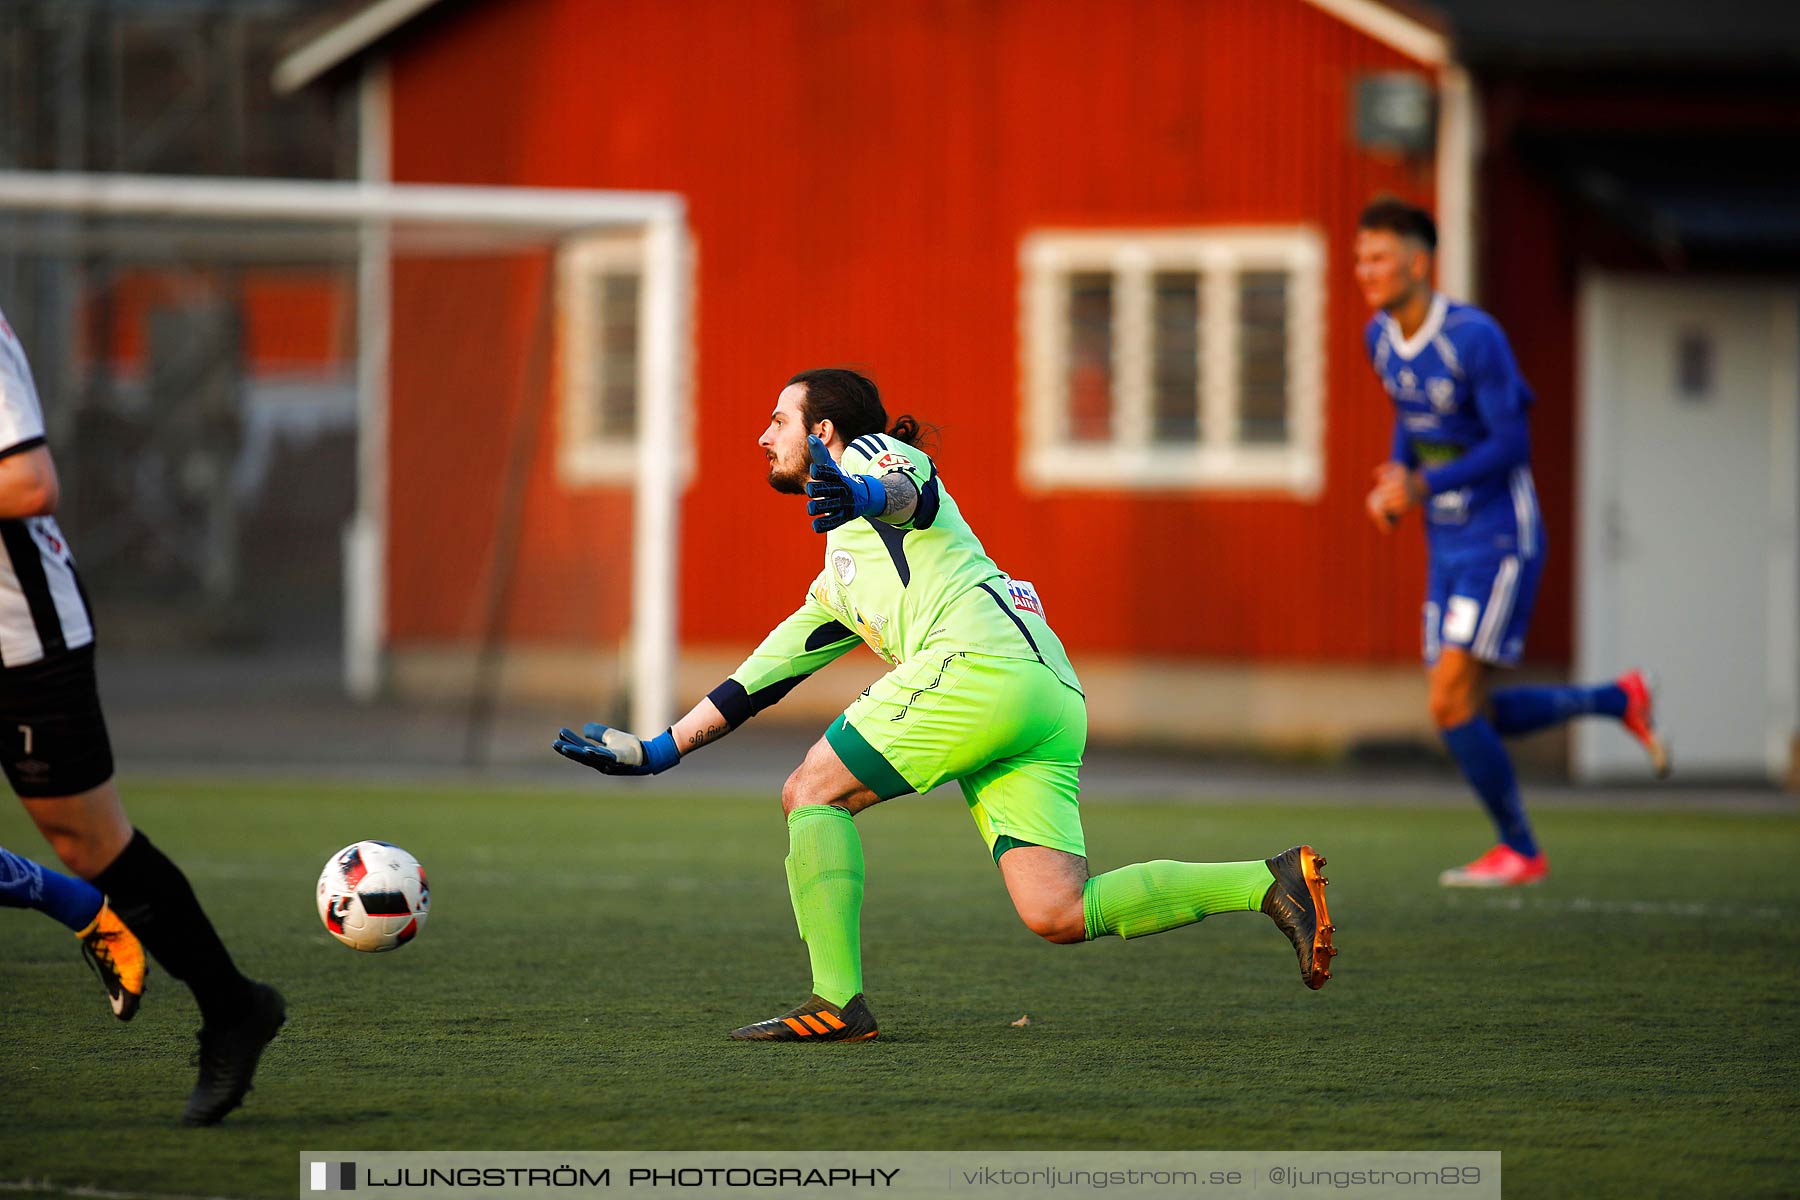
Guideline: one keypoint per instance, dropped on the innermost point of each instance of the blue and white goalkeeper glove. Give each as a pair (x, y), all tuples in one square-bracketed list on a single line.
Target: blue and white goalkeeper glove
[(615, 752), (839, 498)]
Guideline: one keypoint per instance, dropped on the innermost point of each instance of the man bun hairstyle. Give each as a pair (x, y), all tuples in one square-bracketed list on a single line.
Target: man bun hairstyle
[(852, 403), (905, 429), (1396, 216)]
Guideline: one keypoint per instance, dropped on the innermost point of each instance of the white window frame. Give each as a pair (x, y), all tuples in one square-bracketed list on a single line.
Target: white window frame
[(1131, 460), (587, 456)]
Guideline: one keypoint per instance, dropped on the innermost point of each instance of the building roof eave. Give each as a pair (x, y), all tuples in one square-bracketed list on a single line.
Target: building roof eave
[(343, 41), (1414, 31), (1410, 30)]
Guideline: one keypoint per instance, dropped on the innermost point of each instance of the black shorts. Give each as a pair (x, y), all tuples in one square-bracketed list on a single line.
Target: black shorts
[(52, 735)]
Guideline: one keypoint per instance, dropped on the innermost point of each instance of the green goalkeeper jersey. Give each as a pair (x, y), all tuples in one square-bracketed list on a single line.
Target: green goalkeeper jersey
[(921, 587)]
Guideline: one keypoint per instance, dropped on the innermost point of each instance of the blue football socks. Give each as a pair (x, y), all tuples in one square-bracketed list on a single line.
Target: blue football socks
[(1478, 751), (1528, 709), (25, 884)]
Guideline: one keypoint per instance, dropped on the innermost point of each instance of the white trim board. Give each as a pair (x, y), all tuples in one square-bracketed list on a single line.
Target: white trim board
[(343, 41), (1392, 28)]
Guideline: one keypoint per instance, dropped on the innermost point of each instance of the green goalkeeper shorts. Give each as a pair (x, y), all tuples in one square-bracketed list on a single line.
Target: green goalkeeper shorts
[(1006, 729)]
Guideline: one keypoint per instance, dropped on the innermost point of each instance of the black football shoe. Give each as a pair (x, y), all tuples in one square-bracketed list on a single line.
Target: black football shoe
[(228, 1057), (815, 1021), (1296, 903)]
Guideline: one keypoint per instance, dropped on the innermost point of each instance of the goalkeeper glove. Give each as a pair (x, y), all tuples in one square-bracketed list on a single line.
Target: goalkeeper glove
[(615, 752), (839, 498)]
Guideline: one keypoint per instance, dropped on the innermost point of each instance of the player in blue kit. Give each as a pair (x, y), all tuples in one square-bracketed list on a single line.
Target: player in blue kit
[(1462, 452), (111, 949)]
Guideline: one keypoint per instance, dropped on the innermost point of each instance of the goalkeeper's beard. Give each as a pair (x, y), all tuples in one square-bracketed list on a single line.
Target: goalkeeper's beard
[(789, 478)]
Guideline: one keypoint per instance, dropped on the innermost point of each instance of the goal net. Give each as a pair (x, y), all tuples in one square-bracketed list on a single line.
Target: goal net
[(429, 431)]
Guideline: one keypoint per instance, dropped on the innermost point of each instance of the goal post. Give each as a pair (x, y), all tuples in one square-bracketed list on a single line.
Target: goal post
[(370, 232)]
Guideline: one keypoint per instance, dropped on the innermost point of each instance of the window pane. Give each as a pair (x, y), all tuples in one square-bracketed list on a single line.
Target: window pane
[(1262, 356), (1175, 357), (616, 404), (1090, 356)]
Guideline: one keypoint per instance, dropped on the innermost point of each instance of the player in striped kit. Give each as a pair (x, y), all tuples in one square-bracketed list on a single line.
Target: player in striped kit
[(1461, 451), (55, 752)]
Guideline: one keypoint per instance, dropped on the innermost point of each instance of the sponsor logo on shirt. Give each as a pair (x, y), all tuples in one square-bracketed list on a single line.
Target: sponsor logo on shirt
[(1436, 454), (1450, 508), (873, 631), (893, 460), (1024, 597)]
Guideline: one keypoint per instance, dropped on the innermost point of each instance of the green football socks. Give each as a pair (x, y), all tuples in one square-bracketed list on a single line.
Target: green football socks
[(1152, 897), (825, 880)]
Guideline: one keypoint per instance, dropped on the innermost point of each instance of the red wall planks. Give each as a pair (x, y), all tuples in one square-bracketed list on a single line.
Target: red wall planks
[(860, 178)]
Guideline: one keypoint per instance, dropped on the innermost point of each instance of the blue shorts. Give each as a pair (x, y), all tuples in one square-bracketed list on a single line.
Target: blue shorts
[(1481, 604)]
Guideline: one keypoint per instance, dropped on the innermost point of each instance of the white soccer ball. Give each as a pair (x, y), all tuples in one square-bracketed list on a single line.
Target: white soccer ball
[(373, 896)]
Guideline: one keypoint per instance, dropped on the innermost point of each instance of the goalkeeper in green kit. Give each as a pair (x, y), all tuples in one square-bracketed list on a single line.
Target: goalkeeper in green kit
[(978, 690)]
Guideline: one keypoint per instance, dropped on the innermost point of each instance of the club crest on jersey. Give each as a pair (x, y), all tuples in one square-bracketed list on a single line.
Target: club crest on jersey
[(843, 565), (892, 460), (1442, 392)]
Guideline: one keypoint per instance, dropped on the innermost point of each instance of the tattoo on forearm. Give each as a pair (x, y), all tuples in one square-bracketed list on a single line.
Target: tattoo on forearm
[(710, 733)]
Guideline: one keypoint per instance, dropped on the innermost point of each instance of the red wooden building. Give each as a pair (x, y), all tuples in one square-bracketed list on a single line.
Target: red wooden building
[(1105, 248)]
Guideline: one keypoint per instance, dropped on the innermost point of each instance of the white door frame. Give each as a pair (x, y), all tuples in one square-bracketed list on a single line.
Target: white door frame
[(1597, 654)]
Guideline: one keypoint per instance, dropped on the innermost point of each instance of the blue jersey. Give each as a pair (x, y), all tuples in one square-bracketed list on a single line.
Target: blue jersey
[(1460, 409)]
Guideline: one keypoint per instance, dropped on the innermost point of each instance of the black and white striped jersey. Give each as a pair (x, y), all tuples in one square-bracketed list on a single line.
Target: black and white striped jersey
[(43, 610)]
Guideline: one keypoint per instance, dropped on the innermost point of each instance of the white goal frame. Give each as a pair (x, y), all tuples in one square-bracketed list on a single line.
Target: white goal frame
[(660, 218)]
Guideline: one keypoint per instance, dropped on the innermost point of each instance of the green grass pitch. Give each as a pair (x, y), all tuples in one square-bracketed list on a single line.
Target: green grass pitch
[(1627, 1029)]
